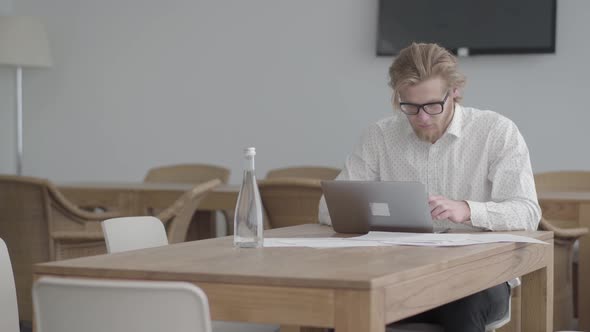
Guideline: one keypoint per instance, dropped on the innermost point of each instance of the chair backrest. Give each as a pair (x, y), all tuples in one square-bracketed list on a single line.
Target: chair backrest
[(8, 306), (309, 172), (563, 180), (187, 173), (130, 233), (90, 305), (178, 217), (24, 225), (290, 202)]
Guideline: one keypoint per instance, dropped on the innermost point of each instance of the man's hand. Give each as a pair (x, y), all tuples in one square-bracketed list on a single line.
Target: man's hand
[(444, 208)]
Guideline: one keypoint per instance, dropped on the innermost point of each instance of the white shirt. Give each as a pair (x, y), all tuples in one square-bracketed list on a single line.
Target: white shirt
[(481, 158)]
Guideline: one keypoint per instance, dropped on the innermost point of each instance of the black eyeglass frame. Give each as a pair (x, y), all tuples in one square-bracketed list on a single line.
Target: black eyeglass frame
[(421, 106)]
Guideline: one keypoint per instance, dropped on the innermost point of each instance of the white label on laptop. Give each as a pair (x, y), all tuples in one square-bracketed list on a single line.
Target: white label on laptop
[(380, 209)]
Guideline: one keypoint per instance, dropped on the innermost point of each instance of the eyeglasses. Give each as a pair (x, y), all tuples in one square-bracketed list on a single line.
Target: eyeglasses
[(429, 108)]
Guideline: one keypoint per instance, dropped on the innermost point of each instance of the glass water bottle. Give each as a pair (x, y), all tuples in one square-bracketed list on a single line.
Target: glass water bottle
[(248, 215)]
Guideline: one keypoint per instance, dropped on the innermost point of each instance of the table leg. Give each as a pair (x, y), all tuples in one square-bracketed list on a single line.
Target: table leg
[(537, 298), (359, 310)]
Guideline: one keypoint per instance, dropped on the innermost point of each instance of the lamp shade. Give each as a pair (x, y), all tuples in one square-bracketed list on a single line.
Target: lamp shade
[(23, 42)]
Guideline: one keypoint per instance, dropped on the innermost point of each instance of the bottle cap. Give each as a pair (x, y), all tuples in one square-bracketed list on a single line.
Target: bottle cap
[(250, 151)]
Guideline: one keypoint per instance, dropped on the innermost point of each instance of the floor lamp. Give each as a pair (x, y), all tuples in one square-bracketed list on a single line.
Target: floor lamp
[(23, 44)]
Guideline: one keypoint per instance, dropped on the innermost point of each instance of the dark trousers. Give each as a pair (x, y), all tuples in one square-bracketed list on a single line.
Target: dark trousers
[(469, 314)]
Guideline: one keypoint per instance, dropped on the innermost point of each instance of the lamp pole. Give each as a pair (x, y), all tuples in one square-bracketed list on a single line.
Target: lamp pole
[(23, 44), (19, 120)]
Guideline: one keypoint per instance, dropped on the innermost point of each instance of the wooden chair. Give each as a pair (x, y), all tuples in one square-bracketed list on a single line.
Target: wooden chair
[(178, 217), (565, 181), (563, 299), (91, 305), (290, 202), (187, 173), (310, 172), (170, 226), (38, 223), (203, 225)]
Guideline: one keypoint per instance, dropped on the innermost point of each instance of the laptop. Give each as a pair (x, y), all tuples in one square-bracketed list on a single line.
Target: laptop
[(392, 206)]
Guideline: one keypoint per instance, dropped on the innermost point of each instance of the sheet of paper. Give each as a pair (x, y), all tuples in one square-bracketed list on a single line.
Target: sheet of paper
[(500, 237), (328, 242), (411, 237), (375, 239), (445, 239)]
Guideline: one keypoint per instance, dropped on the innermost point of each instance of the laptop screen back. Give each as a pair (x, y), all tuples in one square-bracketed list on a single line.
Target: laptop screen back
[(363, 206)]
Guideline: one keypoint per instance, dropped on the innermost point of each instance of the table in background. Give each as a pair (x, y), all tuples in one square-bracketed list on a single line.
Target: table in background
[(572, 209), (142, 198), (351, 289)]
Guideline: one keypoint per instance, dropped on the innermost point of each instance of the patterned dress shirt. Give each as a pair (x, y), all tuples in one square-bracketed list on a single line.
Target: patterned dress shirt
[(481, 158)]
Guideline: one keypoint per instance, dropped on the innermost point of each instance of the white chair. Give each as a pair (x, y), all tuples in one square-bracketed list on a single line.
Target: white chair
[(506, 319), (130, 233), (91, 305), (8, 304)]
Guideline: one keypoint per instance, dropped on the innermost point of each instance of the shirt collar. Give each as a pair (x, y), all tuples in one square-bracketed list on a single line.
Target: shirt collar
[(455, 128)]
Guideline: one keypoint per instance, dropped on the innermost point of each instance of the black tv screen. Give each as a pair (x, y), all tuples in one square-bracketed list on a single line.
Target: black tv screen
[(470, 26)]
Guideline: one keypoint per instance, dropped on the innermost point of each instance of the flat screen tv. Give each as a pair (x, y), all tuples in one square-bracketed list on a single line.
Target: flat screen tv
[(468, 26)]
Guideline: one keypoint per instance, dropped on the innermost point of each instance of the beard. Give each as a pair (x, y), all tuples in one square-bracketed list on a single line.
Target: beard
[(427, 136)]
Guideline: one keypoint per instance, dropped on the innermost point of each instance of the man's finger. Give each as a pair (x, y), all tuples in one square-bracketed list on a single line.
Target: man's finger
[(445, 215), (435, 198), (438, 210)]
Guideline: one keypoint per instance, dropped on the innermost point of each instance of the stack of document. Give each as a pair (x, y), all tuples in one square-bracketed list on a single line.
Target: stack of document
[(374, 239)]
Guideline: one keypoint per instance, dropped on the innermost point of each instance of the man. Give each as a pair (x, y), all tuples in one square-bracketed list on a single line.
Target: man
[(475, 165)]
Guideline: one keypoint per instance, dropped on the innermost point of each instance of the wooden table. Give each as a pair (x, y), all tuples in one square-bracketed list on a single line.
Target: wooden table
[(572, 209), (135, 198), (351, 289)]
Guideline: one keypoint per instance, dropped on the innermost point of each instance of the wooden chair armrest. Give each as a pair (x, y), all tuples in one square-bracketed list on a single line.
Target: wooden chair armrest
[(78, 212), (178, 205), (563, 233)]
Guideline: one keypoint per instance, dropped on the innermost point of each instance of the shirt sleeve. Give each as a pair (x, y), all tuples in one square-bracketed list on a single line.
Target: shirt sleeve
[(513, 204), (362, 164)]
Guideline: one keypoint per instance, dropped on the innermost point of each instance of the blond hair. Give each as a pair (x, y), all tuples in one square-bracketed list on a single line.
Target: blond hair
[(419, 62)]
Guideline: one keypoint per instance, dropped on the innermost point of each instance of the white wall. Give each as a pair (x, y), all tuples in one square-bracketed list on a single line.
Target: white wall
[(5, 7), (7, 119), (139, 83)]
